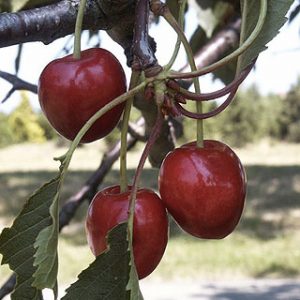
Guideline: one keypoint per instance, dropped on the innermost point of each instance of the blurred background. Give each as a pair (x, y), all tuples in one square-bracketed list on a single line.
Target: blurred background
[(262, 126)]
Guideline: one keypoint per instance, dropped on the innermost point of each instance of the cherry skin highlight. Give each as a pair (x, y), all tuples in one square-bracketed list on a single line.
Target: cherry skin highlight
[(72, 90), (203, 189), (150, 226)]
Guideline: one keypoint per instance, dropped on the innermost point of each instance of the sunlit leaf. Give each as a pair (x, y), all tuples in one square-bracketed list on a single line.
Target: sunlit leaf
[(46, 258), (277, 9)]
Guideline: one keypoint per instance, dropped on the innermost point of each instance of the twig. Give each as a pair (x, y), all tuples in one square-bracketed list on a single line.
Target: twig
[(8, 286), (17, 84), (134, 133), (18, 58)]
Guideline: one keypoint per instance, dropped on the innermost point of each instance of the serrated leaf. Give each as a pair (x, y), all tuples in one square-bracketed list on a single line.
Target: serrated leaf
[(17, 242), (108, 276), (277, 9), (46, 258)]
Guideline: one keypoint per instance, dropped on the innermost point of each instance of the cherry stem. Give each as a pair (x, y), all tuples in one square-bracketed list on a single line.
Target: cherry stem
[(125, 123), (66, 158), (233, 55), (214, 95), (78, 27), (152, 138), (210, 114), (190, 55), (169, 65)]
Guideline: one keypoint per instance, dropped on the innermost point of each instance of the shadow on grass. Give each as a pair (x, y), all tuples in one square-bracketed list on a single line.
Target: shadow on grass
[(270, 190), (17, 187), (253, 292), (276, 268)]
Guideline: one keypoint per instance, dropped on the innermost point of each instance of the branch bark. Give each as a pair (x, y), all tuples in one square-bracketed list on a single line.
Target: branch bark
[(51, 22), (17, 84), (143, 53)]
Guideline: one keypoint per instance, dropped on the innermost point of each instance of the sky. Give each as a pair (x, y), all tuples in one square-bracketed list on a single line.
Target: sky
[(276, 70)]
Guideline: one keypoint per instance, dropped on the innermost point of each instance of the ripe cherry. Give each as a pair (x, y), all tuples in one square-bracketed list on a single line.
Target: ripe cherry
[(72, 90), (203, 188), (150, 226)]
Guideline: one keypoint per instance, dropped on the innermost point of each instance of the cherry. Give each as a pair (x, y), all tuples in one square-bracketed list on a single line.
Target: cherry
[(150, 226), (203, 189), (72, 90)]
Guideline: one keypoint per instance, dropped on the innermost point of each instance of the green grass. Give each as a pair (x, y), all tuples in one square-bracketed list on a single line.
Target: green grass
[(265, 244)]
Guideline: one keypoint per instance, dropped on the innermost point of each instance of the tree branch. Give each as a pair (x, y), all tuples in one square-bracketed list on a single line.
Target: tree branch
[(17, 84), (143, 53), (51, 22)]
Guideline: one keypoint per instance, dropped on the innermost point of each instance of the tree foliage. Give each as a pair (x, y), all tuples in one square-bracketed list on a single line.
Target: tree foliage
[(23, 122), (289, 119)]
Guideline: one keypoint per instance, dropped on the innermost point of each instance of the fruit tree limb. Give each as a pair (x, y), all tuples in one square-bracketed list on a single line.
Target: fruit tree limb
[(143, 53), (48, 23), (17, 84)]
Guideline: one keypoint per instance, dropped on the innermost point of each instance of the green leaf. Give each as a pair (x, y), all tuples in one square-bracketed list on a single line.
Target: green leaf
[(17, 242), (277, 9), (46, 258), (108, 276), (133, 285)]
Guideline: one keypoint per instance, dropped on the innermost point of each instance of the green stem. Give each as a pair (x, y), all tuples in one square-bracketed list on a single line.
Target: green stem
[(190, 55), (67, 157), (243, 33), (233, 55), (123, 151), (169, 65), (199, 122), (152, 138), (78, 27)]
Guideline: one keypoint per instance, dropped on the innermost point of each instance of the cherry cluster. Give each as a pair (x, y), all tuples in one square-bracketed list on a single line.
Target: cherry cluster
[(202, 188)]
